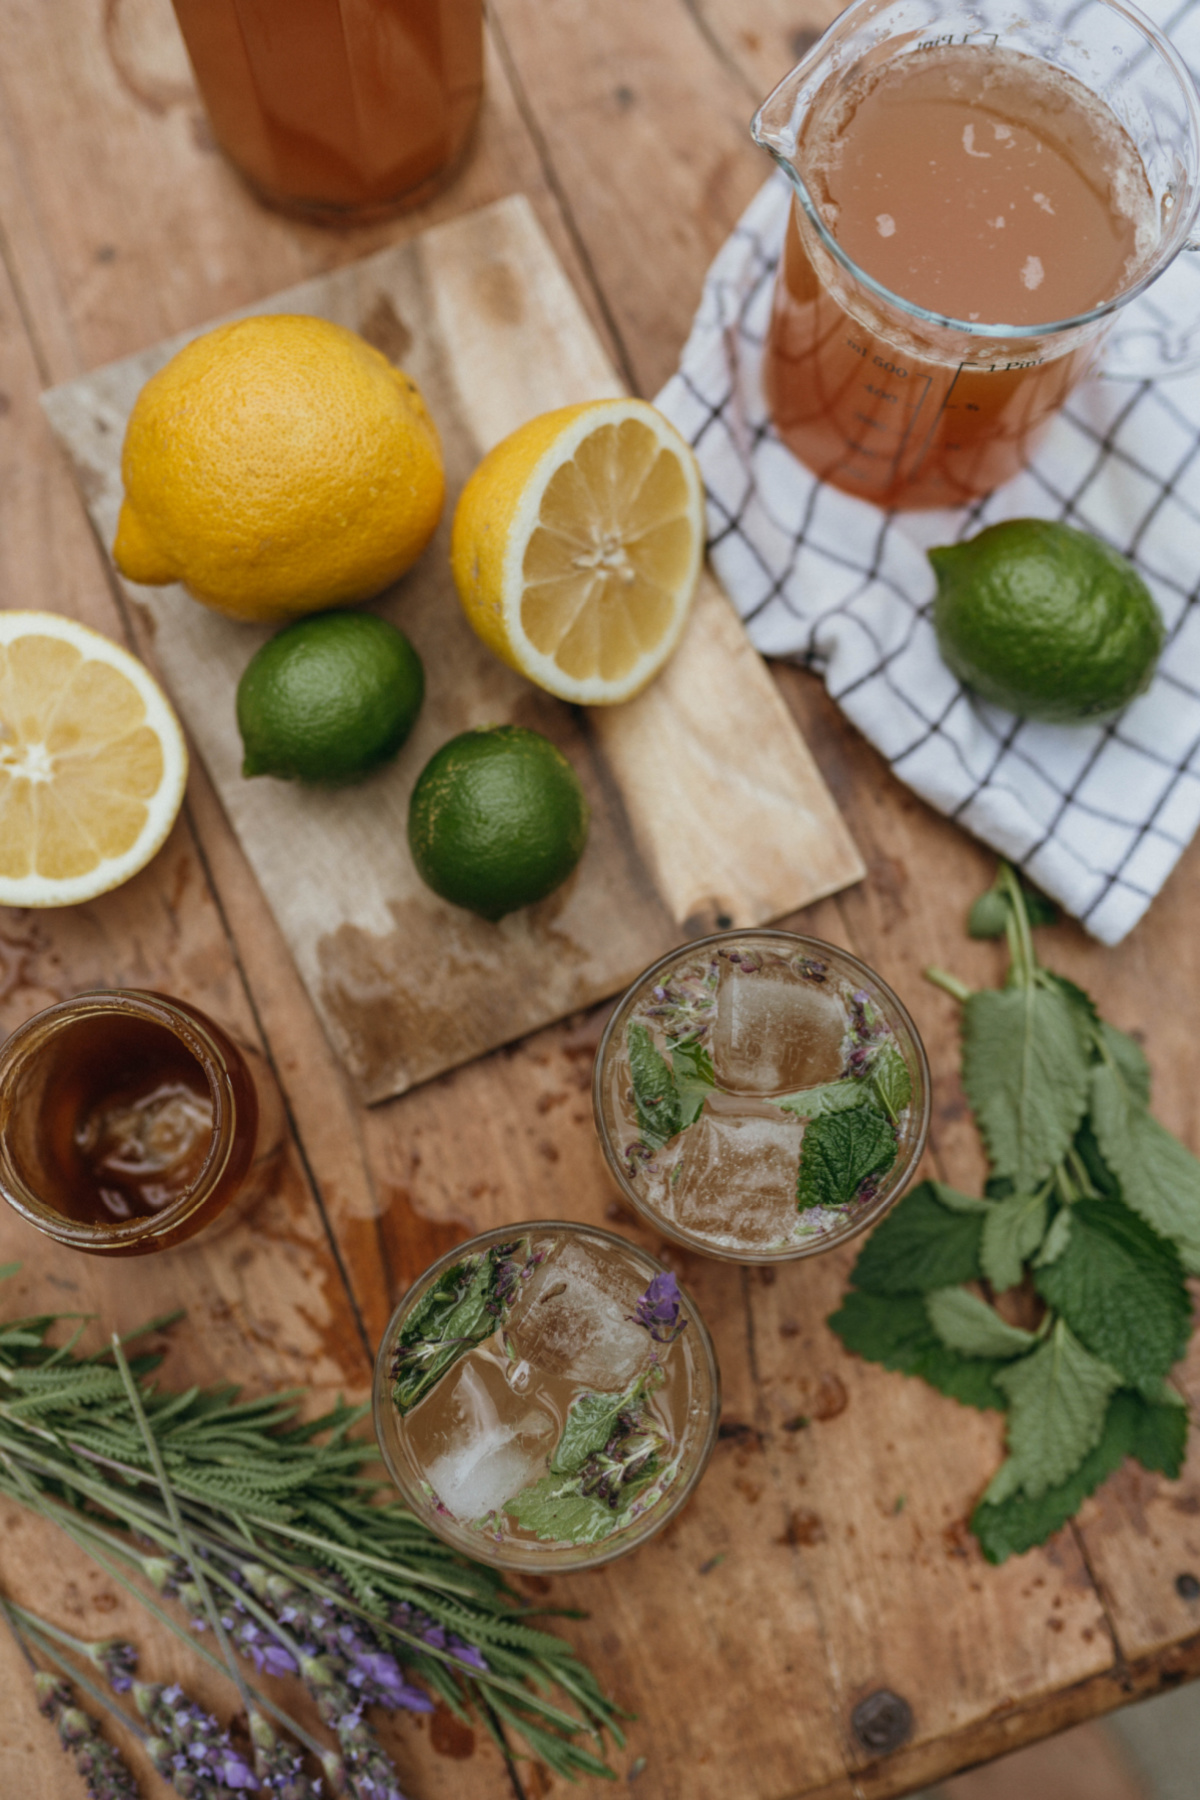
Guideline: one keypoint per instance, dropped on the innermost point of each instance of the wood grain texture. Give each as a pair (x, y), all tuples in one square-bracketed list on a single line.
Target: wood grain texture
[(627, 128), (740, 826)]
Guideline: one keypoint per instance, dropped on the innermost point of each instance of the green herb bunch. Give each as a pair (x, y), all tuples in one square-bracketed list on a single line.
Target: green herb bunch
[(1092, 1209), (276, 1539)]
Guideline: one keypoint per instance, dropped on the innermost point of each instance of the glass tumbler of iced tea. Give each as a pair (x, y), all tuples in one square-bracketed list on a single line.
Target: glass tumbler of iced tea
[(546, 1396), (129, 1121), (760, 1096), (338, 108), (978, 189)]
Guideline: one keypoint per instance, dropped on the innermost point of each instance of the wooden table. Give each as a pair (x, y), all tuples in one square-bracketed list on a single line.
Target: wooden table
[(815, 1567)]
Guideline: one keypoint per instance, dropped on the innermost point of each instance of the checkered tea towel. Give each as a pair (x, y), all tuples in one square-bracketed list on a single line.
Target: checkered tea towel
[(1096, 815)]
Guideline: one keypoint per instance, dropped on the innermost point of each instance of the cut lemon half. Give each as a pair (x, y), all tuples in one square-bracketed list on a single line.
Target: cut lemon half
[(92, 762), (577, 546)]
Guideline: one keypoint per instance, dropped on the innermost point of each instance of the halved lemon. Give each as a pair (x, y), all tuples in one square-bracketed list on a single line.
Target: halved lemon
[(92, 762), (577, 546)]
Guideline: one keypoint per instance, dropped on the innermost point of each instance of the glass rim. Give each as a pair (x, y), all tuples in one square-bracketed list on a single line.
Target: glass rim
[(793, 1252), (996, 331), (183, 1024), (536, 1560)]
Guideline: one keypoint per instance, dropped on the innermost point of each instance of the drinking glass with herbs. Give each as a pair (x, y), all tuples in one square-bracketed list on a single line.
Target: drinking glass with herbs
[(760, 1096), (546, 1396)]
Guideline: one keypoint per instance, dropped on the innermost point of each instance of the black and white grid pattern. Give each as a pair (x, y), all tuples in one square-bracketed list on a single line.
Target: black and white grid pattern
[(1096, 815)]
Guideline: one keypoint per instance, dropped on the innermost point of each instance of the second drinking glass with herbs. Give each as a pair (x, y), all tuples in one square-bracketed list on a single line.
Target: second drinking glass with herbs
[(761, 1096)]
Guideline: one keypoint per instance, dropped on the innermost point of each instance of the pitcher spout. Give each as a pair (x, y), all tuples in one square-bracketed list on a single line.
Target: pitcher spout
[(776, 124)]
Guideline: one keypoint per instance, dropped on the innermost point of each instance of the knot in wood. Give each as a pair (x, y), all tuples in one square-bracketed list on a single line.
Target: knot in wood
[(882, 1722)]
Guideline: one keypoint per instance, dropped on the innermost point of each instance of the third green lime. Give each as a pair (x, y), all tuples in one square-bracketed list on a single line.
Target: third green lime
[(1045, 621)]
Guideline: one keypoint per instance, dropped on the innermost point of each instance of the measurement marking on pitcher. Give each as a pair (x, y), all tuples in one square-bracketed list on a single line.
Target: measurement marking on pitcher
[(936, 420)]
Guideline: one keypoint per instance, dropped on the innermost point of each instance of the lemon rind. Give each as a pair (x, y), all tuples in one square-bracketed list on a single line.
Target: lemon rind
[(111, 871), (535, 664)]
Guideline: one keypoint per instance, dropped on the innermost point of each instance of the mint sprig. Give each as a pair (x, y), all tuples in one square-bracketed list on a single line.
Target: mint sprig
[(1092, 1208)]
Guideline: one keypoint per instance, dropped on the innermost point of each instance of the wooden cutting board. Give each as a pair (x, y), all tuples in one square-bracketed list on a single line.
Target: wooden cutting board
[(707, 807)]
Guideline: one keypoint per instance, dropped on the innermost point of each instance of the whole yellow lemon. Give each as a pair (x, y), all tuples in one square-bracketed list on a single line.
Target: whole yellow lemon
[(278, 466)]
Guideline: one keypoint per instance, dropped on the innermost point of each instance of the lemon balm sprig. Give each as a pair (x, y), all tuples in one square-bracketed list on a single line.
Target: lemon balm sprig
[(1092, 1207)]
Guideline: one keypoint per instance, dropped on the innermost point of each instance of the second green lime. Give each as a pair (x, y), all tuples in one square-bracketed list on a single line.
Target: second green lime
[(329, 699), (497, 820), (1046, 621)]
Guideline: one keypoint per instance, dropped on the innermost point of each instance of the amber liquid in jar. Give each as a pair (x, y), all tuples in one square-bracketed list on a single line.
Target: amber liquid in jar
[(128, 1122), (982, 185), (338, 106)]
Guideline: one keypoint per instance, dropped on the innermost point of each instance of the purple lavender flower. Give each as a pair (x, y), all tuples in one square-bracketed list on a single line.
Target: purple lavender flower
[(407, 1617), (189, 1747), (280, 1765), (116, 1661), (104, 1770), (660, 1309)]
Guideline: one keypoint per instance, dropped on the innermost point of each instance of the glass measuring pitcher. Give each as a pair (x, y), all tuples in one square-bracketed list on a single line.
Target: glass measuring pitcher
[(887, 395)]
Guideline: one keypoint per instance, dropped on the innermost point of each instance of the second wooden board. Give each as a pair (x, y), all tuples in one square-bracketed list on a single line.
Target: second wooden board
[(707, 807)]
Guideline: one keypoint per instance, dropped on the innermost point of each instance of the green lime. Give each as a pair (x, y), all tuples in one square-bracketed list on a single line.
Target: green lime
[(1045, 621), (497, 820), (328, 699)]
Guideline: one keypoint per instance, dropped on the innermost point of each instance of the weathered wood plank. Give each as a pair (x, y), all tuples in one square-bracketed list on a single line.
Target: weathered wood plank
[(511, 1136)]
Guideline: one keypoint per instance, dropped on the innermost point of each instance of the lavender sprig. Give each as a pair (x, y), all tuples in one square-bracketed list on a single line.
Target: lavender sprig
[(105, 1772), (189, 1747), (279, 1765), (254, 1484)]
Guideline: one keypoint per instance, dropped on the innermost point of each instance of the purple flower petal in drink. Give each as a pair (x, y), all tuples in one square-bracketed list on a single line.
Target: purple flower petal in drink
[(660, 1309)]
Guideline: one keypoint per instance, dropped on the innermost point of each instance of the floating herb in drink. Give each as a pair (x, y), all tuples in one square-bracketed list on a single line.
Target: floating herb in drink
[(466, 1304)]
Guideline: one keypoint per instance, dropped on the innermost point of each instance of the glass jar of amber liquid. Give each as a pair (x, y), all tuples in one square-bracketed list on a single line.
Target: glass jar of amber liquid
[(128, 1122), (338, 110)]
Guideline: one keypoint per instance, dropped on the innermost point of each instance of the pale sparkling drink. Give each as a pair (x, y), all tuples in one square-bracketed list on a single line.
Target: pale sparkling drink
[(761, 1096), (546, 1396)]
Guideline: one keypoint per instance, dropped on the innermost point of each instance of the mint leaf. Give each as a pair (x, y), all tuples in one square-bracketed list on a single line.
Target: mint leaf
[(891, 1081), (1010, 1525), (1056, 1239), (959, 1203), (655, 1095), (1120, 1288), (1087, 1013), (894, 1329), (695, 1078), (1025, 1072), (1098, 1171), (1012, 1231), (969, 1325), (1160, 1435), (1159, 1178), (919, 1246), (988, 917), (829, 1097), (554, 1509), (466, 1304), (1058, 1398), (1130, 1059), (588, 1427), (837, 1153)]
